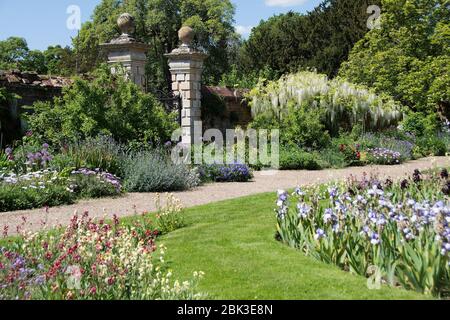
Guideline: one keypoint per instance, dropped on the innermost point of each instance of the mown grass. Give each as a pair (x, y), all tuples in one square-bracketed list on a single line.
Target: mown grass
[(233, 242)]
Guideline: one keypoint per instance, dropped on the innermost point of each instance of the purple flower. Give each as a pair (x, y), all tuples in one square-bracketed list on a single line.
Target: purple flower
[(319, 234), (8, 151)]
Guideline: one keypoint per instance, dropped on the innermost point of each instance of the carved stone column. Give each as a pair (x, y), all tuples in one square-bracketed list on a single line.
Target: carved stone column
[(128, 52), (186, 67)]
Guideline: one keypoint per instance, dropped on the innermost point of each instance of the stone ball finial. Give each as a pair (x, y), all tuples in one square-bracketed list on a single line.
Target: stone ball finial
[(126, 23), (186, 35)]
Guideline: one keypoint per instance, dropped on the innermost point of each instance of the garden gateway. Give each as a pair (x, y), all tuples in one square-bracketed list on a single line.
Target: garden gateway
[(186, 68)]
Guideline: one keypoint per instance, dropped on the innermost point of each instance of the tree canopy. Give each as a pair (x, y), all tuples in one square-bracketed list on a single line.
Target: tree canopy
[(320, 39), (15, 54), (408, 57)]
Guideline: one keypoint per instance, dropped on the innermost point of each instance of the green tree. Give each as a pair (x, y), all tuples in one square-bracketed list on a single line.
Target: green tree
[(318, 40), (157, 23), (408, 57), (15, 54), (12, 51)]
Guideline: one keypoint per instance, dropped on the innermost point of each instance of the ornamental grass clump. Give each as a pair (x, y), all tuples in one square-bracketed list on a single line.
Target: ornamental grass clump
[(396, 232), (91, 260)]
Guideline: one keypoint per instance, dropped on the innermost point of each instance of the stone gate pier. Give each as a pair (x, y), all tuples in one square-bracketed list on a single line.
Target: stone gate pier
[(186, 67)]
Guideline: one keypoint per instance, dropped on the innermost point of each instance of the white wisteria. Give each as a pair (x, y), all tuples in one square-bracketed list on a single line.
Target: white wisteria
[(341, 100)]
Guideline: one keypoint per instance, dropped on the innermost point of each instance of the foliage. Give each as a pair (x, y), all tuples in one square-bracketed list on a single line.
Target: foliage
[(397, 233), (340, 104), (87, 184), (402, 145), (90, 260), (408, 56), (225, 172), (15, 54), (100, 152), (33, 190), (107, 105), (8, 125), (431, 146), (169, 217), (157, 23), (293, 158), (320, 39), (154, 171), (421, 124)]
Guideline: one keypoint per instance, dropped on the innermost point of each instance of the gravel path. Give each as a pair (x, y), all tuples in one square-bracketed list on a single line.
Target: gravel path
[(134, 203)]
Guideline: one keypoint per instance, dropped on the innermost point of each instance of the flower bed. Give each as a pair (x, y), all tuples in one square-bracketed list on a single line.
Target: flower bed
[(51, 188), (384, 156), (226, 173), (91, 260), (398, 233)]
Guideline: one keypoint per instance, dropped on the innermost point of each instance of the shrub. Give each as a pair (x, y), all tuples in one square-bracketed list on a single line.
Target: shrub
[(154, 171), (225, 173), (293, 158), (331, 158), (431, 146), (91, 260), (108, 105), (93, 153), (169, 217)]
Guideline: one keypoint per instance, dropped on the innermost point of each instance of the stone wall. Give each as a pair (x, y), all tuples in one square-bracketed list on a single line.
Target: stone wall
[(31, 87), (224, 108)]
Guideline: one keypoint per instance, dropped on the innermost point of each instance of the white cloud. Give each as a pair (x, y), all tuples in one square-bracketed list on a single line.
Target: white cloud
[(285, 3), (244, 30)]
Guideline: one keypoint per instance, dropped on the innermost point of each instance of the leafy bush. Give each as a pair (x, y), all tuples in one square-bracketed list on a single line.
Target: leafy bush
[(293, 158), (225, 173), (398, 233), (169, 217), (154, 171), (91, 260), (421, 124), (331, 158), (104, 105), (431, 146)]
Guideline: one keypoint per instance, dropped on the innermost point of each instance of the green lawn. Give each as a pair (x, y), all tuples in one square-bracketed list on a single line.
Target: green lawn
[(233, 243)]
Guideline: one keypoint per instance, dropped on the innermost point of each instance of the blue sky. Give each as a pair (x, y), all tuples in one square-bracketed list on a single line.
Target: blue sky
[(43, 22)]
